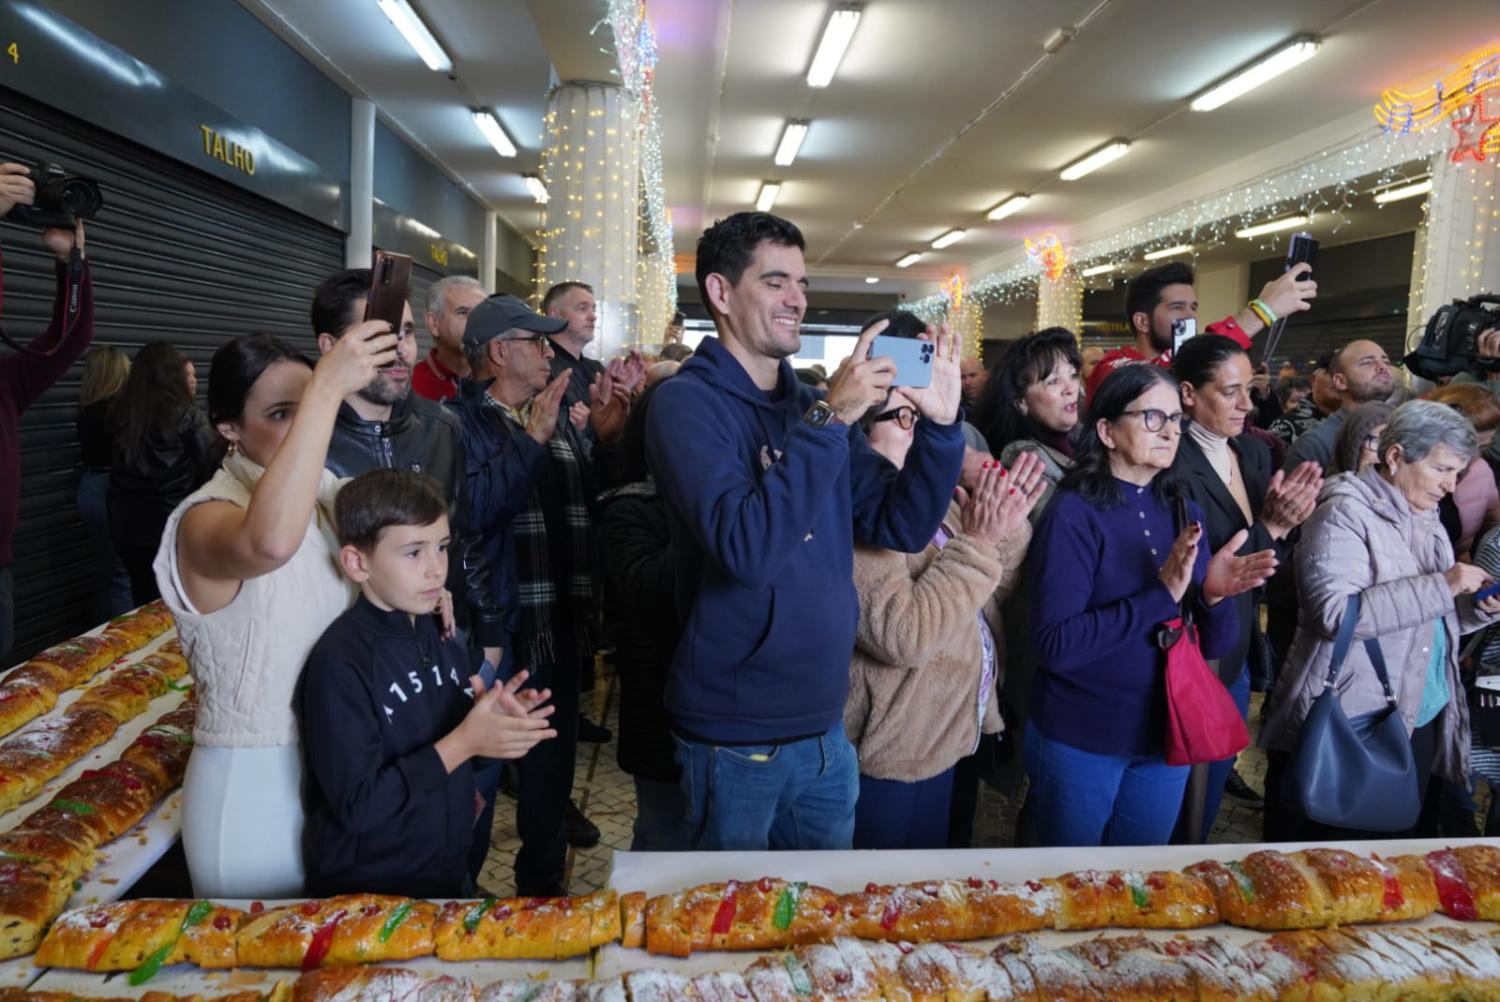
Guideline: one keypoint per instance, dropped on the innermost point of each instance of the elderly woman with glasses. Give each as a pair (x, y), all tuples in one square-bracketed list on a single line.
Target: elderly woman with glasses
[(925, 666), (1109, 564), (1377, 534)]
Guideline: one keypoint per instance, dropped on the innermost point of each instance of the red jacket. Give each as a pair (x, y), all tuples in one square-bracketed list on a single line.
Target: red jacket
[(24, 377), (434, 380), (1228, 327)]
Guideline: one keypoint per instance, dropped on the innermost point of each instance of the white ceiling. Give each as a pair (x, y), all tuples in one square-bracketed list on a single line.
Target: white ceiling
[(929, 122)]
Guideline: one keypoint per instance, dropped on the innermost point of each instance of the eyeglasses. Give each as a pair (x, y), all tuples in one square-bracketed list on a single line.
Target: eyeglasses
[(1155, 420), (906, 417), (533, 338), (1372, 442)]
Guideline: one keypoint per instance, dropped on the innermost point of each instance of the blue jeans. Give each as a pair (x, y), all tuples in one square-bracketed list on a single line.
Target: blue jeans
[(793, 796), (896, 815), (659, 813), (111, 582), (1086, 799), (1218, 772)]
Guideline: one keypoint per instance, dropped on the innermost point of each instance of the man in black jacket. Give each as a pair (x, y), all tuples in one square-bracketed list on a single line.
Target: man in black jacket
[(386, 426)]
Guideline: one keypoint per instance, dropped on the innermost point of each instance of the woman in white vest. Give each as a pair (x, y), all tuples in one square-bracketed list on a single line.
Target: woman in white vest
[(248, 567)]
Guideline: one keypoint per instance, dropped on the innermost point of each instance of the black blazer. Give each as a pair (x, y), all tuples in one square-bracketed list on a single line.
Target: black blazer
[(1224, 518)]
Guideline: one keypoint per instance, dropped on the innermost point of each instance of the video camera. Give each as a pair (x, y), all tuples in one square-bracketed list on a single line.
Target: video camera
[(60, 198), (1450, 342)]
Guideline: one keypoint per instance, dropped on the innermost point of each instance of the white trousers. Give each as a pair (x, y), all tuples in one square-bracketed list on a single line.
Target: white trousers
[(242, 822)]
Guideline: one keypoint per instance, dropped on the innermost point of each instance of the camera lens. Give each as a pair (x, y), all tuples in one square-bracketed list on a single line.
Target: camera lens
[(80, 197)]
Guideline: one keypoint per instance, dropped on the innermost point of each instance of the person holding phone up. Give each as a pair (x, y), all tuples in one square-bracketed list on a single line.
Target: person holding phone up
[(767, 487), (1159, 297)]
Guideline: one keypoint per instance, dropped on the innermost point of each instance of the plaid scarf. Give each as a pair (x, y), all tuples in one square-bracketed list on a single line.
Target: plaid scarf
[(559, 496)]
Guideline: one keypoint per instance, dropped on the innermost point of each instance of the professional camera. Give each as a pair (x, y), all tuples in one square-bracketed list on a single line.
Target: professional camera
[(1450, 343), (60, 198)]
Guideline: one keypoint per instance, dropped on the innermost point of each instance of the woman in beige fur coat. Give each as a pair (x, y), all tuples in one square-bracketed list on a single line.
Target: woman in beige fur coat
[(926, 666)]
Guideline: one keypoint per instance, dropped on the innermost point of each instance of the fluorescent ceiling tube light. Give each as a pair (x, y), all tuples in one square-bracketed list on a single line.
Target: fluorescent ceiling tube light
[(1009, 207), (836, 36), (1098, 269), (536, 187), (1412, 190), (1105, 154), (1157, 255), (1297, 51), (1274, 226), (871, 279), (416, 34), (948, 239), (767, 197), (791, 142), (909, 259), (490, 126)]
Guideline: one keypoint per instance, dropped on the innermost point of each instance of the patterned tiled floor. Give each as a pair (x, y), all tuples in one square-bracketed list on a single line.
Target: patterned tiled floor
[(607, 797)]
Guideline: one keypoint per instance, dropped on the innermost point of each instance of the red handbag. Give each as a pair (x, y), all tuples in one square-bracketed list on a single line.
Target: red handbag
[(1203, 724)]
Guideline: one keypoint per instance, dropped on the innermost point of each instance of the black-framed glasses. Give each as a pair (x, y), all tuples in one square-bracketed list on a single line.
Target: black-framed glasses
[(906, 417), (1372, 442), (533, 338), (1156, 420)]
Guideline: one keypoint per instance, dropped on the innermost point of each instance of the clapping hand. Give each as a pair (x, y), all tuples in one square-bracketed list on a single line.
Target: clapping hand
[(1002, 498), (1290, 499), (1230, 574)]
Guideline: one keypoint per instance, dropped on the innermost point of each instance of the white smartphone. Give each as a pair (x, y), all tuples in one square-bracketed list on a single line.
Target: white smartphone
[(913, 359), (1183, 329)]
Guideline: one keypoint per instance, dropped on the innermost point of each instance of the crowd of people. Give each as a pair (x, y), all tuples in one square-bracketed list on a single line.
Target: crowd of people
[(834, 609)]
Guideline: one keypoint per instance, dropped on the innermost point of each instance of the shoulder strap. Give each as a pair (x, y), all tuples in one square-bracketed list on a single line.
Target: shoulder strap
[(1180, 522), (1345, 639)]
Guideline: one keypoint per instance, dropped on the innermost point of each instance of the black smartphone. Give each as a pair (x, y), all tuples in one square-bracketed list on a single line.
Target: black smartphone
[(390, 275), (1303, 248)]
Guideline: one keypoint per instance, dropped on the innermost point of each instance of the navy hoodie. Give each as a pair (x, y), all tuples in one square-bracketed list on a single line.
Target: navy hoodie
[(764, 512), (383, 814)]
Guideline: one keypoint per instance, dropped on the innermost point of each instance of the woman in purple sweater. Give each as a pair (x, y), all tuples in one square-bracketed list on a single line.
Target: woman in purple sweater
[(1108, 565)]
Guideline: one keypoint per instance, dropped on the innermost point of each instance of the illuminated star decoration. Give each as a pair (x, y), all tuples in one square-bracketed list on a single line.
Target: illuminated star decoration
[(1048, 253), (1460, 99), (1478, 129)]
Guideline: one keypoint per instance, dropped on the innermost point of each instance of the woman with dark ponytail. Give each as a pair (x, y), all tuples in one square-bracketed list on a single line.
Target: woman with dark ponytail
[(1228, 475), (248, 567), (1108, 565)]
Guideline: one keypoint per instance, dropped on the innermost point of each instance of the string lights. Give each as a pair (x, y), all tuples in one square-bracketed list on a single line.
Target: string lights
[(607, 221), (1327, 183), (965, 319)]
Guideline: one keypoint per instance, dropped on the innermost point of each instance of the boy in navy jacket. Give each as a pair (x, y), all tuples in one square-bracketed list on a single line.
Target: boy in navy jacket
[(393, 710)]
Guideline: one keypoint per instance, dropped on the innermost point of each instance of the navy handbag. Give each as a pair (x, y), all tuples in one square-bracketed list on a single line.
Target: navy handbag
[(1354, 772)]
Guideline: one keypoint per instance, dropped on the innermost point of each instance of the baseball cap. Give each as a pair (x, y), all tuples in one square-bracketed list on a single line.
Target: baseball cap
[(500, 313)]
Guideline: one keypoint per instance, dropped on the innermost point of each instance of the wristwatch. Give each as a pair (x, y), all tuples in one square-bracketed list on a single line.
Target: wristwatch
[(820, 415)]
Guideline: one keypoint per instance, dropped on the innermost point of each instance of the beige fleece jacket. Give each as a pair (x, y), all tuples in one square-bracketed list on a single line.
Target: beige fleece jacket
[(913, 707)]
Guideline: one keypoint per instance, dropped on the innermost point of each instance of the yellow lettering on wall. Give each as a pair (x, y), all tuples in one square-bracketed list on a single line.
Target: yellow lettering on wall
[(13, 50), (227, 151), (439, 254)]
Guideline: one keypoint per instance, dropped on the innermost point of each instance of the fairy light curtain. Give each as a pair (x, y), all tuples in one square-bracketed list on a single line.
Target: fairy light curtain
[(591, 167)]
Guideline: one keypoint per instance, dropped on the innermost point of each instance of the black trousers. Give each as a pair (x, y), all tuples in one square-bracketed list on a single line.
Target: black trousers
[(546, 775), (138, 560), (1285, 823)]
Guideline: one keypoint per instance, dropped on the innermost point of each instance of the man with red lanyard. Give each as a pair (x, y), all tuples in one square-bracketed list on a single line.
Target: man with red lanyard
[(449, 301), (1161, 295)]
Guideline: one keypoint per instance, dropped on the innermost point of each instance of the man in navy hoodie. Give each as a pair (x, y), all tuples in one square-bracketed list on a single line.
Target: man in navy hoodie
[(767, 486)]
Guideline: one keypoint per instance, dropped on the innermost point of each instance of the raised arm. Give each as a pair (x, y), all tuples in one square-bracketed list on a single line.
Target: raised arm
[(220, 544)]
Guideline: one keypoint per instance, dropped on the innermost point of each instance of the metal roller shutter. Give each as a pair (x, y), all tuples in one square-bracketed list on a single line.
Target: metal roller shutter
[(177, 255), (422, 279)]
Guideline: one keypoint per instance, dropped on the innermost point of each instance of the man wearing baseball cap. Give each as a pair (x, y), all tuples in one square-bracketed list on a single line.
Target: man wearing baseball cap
[(526, 494)]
